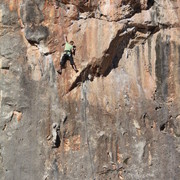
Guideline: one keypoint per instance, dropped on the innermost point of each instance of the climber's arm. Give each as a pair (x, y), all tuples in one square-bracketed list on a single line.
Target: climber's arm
[(65, 39)]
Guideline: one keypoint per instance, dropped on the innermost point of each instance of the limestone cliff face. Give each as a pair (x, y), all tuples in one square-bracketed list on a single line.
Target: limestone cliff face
[(119, 115)]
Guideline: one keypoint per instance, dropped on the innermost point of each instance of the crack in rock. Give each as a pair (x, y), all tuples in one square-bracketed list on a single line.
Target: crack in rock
[(110, 60)]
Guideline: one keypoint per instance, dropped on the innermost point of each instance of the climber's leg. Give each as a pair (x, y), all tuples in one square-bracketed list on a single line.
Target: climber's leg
[(72, 63), (62, 63)]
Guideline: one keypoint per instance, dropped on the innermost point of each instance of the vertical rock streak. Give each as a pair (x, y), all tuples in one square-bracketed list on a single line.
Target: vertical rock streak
[(85, 120)]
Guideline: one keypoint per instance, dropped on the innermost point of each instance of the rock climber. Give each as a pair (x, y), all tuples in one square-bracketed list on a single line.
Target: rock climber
[(69, 51)]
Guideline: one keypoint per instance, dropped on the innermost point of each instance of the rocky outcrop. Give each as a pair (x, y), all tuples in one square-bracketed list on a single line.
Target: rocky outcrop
[(119, 116)]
